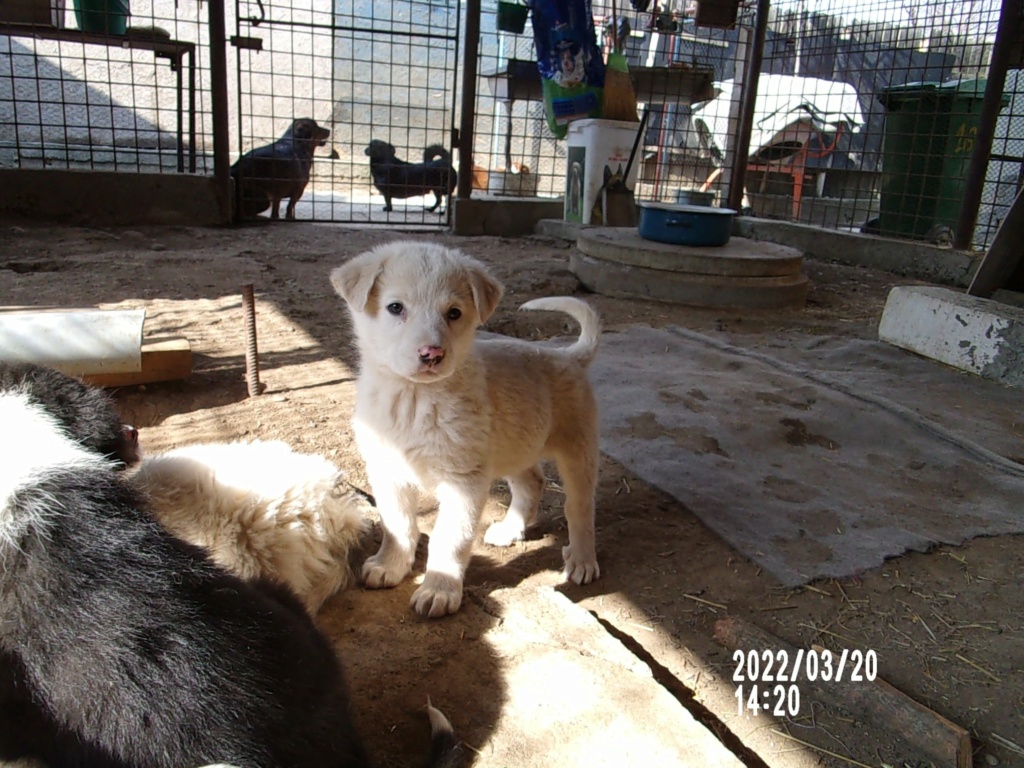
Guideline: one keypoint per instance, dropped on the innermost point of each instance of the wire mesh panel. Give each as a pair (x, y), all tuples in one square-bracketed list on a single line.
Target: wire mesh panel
[(381, 77), (672, 65), (100, 87), (1005, 173), (889, 95), (842, 137)]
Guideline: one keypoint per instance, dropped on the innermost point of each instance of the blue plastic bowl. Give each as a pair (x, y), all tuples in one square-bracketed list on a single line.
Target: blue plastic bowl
[(697, 225)]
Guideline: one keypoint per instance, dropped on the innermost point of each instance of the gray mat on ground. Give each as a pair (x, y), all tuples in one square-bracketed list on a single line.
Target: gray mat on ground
[(806, 473)]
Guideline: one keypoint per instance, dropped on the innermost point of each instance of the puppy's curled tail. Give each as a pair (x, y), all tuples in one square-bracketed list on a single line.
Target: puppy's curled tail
[(445, 751), (590, 324), (436, 152)]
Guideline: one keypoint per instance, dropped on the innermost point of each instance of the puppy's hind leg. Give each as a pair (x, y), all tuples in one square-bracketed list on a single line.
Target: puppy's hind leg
[(451, 544), (437, 202), (393, 561), (578, 470), (526, 488)]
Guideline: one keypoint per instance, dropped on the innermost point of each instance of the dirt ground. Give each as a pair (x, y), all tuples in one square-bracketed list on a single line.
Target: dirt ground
[(946, 626)]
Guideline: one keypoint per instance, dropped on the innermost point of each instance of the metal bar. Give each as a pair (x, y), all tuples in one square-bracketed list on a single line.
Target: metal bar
[(180, 92), (751, 73), (360, 30), (974, 183), (467, 124), (252, 355), (219, 88), (244, 91), (167, 47), (192, 112), (453, 81)]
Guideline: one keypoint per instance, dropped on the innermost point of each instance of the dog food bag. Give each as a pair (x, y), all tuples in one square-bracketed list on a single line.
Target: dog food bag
[(570, 63)]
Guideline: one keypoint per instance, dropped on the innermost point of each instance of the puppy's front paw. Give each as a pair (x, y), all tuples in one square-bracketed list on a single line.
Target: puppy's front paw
[(504, 534), (581, 570), (381, 570), (437, 596)]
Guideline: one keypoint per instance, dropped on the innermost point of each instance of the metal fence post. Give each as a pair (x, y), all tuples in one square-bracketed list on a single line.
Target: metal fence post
[(219, 98), (974, 184)]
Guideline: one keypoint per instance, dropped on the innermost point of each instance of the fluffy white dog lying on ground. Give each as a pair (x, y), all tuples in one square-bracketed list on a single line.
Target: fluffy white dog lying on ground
[(260, 509)]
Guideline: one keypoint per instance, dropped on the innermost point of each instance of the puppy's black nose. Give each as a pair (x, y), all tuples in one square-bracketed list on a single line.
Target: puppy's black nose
[(430, 355)]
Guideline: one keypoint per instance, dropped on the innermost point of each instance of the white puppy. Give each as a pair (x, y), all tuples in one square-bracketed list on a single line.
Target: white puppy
[(260, 509), (439, 410)]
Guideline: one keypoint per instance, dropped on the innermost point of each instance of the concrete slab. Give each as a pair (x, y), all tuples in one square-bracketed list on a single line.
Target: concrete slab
[(612, 713), (628, 281), (981, 336), (561, 229), (502, 216), (913, 259), (739, 257)]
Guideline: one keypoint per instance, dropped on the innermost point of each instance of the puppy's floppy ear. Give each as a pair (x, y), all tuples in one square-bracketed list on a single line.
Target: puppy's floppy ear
[(487, 291), (354, 279)]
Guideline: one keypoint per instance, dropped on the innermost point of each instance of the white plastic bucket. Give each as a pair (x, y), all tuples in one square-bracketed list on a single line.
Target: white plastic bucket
[(597, 152)]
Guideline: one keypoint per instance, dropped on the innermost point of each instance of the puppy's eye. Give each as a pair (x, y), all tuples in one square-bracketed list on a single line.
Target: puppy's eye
[(454, 313), (396, 308)]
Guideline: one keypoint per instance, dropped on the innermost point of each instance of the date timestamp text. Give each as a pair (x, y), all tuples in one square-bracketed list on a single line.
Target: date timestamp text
[(766, 681)]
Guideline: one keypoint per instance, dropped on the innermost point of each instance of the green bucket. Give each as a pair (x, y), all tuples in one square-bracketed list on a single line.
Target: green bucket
[(105, 17), (512, 16)]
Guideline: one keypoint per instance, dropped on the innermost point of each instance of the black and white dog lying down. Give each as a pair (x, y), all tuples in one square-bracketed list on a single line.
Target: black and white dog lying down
[(123, 647), (83, 412)]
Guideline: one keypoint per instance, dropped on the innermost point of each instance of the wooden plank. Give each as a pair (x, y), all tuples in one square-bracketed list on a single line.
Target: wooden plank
[(1005, 256), (876, 703), (163, 359)]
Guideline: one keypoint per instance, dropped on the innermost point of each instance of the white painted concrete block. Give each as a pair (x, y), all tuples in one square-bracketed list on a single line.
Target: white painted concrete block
[(976, 335)]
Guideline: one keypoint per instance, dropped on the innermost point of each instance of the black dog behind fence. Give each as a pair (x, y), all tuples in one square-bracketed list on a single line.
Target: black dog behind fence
[(366, 71)]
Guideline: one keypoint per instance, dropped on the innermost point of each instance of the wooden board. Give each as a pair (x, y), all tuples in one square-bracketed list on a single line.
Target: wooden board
[(163, 359), (1003, 265)]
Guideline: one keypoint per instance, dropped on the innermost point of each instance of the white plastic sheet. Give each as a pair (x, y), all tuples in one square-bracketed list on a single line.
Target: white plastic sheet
[(77, 342)]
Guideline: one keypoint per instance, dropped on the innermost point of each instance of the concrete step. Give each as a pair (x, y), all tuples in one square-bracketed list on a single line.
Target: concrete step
[(629, 281), (560, 228), (981, 336), (739, 257)]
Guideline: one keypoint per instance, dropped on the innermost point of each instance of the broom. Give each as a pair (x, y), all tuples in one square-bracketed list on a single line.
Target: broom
[(619, 100)]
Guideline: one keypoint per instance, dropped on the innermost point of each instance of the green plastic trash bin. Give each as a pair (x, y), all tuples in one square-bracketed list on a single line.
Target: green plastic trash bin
[(929, 137), (105, 17)]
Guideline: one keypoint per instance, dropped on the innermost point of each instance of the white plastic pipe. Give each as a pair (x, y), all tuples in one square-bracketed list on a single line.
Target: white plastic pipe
[(77, 342)]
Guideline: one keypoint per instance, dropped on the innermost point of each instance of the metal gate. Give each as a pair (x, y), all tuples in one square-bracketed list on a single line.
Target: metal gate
[(364, 69)]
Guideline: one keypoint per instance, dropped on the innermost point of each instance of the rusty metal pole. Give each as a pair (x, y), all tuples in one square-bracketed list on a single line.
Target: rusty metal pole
[(219, 99), (252, 356), (751, 73), (467, 124), (999, 64)]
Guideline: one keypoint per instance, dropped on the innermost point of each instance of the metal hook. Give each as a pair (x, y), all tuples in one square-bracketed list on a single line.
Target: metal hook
[(262, 17)]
